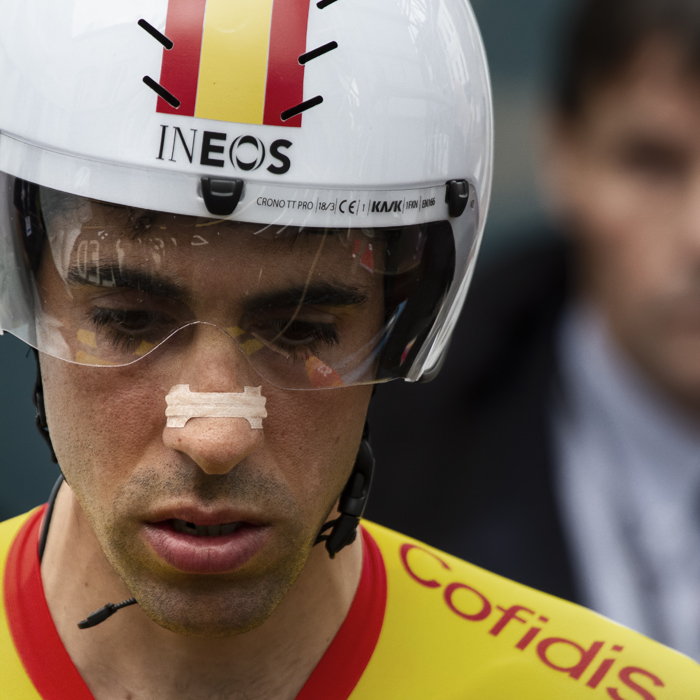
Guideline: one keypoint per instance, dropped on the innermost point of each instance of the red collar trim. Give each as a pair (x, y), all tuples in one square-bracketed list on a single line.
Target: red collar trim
[(345, 660), (55, 677), (45, 659)]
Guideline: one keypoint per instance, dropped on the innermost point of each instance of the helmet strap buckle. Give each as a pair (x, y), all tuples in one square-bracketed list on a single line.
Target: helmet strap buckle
[(351, 506)]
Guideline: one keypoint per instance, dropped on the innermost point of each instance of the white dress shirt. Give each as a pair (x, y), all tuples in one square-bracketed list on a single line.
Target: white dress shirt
[(628, 480)]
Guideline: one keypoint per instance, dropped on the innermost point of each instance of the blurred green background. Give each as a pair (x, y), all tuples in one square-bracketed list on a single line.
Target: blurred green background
[(521, 41)]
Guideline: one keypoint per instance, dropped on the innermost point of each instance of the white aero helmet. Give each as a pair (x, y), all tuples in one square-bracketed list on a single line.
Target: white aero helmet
[(311, 178)]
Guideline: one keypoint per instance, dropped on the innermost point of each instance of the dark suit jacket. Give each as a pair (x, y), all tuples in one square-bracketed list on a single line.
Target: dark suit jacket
[(465, 463)]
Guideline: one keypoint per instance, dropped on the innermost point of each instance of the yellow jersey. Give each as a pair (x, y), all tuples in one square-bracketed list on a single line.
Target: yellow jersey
[(423, 625)]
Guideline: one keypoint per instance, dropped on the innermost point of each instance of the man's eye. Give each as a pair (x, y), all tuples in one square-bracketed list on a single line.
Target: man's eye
[(126, 329), (302, 332), (293, 334), (123, 319)]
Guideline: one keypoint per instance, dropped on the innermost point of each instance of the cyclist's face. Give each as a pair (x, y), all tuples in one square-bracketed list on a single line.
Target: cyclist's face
[(132, 476)]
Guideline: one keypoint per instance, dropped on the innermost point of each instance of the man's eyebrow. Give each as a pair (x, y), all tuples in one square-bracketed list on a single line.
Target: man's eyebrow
[(113, 275), (320, 294)]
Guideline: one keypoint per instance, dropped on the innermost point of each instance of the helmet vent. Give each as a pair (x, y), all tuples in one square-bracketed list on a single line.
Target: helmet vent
[(160, 90), (289, 113), (324, 3), (310, 55), (156, 34)]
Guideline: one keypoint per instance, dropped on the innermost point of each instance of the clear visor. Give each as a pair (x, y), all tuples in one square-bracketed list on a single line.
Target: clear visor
[(310, 308)]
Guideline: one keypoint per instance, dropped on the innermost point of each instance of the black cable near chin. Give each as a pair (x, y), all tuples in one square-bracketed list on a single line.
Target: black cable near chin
[(100, 615)]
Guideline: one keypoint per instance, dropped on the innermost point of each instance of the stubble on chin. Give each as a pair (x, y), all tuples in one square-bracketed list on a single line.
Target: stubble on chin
[(208, 606)]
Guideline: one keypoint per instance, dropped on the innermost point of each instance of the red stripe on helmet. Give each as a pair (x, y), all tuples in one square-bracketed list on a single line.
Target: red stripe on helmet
[(180, 70), (285, 76)]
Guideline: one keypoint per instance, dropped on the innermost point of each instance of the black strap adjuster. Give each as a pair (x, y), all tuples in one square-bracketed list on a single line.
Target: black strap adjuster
[(457, 197), (343, 530), (221, 195)]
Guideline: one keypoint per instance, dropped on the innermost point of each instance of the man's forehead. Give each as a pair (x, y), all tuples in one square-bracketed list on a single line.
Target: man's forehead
[(197, 249), (204, 243), (133, 223), (138, 232), (94, 240), (167, 269)]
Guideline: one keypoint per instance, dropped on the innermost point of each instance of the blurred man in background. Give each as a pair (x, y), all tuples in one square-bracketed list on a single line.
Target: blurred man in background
[(561, 444)]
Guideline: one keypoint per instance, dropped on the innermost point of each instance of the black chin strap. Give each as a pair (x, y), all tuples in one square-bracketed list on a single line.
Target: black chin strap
[(47, 517), (38, 401), (343, 530), (106, 610)]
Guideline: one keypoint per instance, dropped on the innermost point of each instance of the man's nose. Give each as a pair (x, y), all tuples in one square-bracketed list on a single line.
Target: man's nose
[(213, 363)]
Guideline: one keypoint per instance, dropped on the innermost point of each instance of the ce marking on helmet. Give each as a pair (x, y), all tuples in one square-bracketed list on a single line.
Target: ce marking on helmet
[(349, 206)]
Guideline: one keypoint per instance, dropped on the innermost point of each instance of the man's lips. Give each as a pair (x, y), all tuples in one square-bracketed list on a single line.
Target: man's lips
[(202, 516), (188, 528), (205, 543)]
